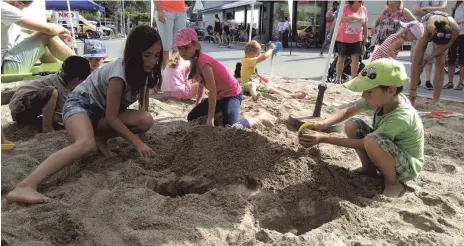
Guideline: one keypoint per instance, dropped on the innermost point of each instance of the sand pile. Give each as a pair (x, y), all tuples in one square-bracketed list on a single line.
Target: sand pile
[(216, 186)]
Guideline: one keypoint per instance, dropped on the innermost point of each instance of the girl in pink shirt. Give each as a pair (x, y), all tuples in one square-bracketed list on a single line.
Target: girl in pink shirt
[(175, 80), (225, 92)]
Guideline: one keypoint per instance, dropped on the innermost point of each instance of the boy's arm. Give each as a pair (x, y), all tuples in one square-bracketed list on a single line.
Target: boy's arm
[(266, 55), (339, 116), (344, 142), (442, 7)]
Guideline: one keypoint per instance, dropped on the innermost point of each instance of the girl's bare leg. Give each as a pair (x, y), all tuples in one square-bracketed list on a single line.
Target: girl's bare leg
[(438, 78), (81, 132)]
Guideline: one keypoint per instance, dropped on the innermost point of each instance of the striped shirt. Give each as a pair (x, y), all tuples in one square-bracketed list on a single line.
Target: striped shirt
[(382, 50)]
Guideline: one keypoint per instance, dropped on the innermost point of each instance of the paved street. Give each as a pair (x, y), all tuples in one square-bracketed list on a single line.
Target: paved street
[(302, 63)]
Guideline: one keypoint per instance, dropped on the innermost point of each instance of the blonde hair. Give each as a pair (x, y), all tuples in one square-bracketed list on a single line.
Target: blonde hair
[(174, 61), (400, 2), (252, 46)]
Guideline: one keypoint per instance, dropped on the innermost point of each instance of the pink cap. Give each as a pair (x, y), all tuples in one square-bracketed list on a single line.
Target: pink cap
[(416, 28), (184, 36)]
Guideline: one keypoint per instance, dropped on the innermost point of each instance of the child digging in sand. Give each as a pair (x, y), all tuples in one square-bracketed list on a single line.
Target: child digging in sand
[(46, 95), (97, 110), (394, 144), (250, 82), (225, 93)]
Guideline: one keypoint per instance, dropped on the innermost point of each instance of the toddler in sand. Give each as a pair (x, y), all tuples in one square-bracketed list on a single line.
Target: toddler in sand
[(250, 82), (394, 144), (175, 79)]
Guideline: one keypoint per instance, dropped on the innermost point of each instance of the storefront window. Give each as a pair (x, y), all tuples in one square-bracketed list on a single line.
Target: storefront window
[(280, 12), (256, 19), (240, 16), (308, 16)]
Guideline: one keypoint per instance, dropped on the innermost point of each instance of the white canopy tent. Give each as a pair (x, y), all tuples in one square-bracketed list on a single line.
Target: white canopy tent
[(198, 6)]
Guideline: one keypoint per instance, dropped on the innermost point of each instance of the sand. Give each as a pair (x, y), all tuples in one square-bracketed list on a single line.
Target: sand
[(216, 186)]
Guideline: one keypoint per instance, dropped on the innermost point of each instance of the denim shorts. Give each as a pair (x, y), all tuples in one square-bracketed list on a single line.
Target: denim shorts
[(174, 22), (78, 103), (403, 168)]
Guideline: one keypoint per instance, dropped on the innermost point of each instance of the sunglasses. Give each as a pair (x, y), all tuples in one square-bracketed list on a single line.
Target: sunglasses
[(445, 35)]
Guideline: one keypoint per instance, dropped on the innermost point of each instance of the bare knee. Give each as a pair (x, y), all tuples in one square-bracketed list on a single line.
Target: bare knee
[(85, 146), (369, 143), (350, 129), (44, 37), (145, 122)]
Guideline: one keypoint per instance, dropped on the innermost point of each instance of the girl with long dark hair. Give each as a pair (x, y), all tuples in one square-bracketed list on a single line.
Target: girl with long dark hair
[(97, 110)]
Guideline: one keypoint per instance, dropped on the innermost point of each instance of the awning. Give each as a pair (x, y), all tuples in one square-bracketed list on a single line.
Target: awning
[(75, 5), (230, 5)]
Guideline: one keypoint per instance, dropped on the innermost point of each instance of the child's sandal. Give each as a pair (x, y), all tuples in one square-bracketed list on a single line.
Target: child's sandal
[(460, 87)]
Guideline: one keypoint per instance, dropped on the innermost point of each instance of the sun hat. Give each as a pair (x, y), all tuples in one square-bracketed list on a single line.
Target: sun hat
[(184, 36), (416, 28), (94, 48), (385, 71)]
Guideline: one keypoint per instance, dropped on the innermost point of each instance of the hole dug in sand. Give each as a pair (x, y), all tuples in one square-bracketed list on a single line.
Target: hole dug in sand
[(296, 210)]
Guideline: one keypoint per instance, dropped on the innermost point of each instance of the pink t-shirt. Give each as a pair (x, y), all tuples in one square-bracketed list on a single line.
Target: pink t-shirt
[(226, 84), (329, 15), (176, 78), (352, 32)]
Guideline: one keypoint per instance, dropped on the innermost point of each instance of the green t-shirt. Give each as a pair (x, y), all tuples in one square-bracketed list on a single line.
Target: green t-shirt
[(403, 126)]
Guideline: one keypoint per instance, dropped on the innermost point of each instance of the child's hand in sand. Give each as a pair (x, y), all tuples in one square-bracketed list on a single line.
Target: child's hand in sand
[(210, 122), (144, 150), (309, 138)]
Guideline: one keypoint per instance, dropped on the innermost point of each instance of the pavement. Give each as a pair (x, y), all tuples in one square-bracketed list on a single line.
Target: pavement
[(300, 64)]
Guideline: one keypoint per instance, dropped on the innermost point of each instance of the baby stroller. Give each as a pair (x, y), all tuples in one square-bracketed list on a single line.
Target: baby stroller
[(332, 73)]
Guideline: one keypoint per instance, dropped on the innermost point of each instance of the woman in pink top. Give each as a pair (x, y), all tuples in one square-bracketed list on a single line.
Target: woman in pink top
[(175, 80), (351, 35), (225, 92), (392, 45)]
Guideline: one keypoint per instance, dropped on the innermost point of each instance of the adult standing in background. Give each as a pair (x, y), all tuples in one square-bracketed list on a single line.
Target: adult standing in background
[(330, 19), (217, 29), (351, 35), (170, 16), (421, 8), (457, 48), (388, 21)]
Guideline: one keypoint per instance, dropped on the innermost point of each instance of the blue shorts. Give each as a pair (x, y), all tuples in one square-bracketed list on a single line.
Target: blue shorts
[(78, 103)]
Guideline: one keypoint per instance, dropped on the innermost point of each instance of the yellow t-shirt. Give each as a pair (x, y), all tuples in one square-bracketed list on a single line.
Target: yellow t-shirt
[(248, 69)]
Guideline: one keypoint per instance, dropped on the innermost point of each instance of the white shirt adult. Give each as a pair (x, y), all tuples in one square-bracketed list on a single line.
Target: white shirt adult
[(10, 31)]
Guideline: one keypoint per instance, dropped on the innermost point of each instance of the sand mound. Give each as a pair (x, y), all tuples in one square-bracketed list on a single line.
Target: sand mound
[(217, 186)]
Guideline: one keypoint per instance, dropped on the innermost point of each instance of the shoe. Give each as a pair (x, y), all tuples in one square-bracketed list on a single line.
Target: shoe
[(428, 85), (448, 86), (321, 55)]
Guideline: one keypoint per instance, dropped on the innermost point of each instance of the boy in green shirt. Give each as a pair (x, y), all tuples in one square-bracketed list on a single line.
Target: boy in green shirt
[(394, 144)]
